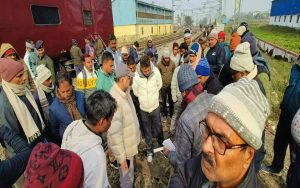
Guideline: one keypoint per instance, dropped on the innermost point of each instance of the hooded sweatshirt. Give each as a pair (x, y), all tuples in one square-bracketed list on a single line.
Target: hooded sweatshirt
[(79, 139), (147, 88)]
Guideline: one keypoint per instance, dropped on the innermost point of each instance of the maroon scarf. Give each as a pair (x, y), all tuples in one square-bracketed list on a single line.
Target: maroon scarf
[(191, 95)]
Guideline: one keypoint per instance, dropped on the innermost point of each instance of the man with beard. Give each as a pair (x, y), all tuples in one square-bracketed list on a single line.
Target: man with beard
[(230, 135)]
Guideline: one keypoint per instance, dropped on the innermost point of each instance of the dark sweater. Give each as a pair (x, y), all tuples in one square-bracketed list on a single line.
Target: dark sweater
[(213, 85), (12, 169)]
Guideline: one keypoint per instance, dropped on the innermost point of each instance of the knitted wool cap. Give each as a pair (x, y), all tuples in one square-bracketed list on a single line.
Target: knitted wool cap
[(50, 166), (39, 44), (43, 73), (243, 106), (221, 35), (241, 30), (242, 60), (295, 128), (187, 77), (213, 34), (203, 68), (166, 53), (124, 50), (9, 69), (194, 48)]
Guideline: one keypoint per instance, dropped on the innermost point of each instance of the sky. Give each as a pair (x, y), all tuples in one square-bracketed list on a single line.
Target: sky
[(246, 6)]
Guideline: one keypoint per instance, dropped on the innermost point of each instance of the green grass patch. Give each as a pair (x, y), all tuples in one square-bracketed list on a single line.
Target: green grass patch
[(287, 38), (280, 74)]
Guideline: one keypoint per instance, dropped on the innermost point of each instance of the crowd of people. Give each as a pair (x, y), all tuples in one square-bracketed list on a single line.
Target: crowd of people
[(211, 97)]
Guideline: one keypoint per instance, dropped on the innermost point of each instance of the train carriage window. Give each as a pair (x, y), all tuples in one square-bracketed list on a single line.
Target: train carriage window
[(87, 17), (43, 15)]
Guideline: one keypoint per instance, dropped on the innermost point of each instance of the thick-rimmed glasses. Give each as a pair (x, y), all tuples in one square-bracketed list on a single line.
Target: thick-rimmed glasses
[(218, 144)]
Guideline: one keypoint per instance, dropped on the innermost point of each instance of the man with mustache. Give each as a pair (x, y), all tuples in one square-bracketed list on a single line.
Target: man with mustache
[(231, 134)]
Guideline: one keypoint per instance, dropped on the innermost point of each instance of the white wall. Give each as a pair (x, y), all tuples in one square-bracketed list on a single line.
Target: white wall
[(289, 23)]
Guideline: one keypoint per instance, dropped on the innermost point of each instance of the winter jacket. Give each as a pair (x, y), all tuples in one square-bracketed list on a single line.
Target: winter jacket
[(154, 51), (147, 89), (12, 169), (213, 85), (29, 79), (291, 99), (76, 55), (117, 56), (216, 58), (90, 50), (48, 62), (249, 37), (104, 81), (166, 70), (60, 117), (190, 175), (86, 82), (188, 133), (176, 94), (225, 45), (133, 53), (9, 119), (85, 143), (124, 134)]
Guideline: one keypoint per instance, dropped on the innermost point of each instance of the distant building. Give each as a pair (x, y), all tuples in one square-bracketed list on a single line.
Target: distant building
[(141, 19), (285, 13)]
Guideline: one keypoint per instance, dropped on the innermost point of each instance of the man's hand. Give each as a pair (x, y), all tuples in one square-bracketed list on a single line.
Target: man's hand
[(124, 165), (166, 152)]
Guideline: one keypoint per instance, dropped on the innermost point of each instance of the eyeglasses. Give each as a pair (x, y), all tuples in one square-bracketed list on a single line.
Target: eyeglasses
[(218, 144)]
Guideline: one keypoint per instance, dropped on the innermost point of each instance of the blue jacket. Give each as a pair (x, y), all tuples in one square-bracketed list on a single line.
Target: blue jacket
[(249, 37), (291, 99), (134, 54), (216, 58), (60, 117)]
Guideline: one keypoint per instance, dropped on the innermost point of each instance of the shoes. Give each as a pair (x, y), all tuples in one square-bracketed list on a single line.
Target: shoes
[(149, 158), (114, 164), (270, 170)]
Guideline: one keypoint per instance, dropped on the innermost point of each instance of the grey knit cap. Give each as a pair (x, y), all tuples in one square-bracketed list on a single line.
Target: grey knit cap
[(187, 77), (244, 107)]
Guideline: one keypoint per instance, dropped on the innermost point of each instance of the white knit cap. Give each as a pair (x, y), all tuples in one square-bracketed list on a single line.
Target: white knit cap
[(124, 50), (166, 53), (242, 60), (295, 128), (244, 107), (213, 34), (29, 45), (241, 30), (43, 73)]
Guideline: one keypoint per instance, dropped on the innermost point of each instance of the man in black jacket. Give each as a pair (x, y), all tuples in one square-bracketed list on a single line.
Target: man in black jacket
[(216, 55), (231, 133)]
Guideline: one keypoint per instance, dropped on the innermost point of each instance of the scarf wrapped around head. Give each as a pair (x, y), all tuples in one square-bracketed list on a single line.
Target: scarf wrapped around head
[(50, 166), (43, 73), (23, 115), (70, 104)]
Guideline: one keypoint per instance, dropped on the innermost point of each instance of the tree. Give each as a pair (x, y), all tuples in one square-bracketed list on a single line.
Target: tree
[(188, 21)]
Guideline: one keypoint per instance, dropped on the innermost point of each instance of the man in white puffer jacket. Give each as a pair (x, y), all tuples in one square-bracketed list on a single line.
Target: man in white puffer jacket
[(146, 87), (124, 135)]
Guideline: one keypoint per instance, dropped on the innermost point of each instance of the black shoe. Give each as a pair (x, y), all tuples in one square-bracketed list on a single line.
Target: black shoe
[(271, 170), (114, 164)]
